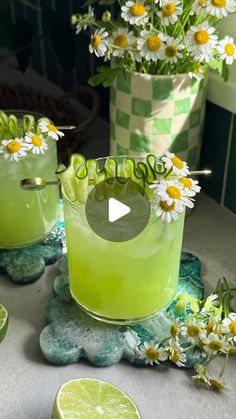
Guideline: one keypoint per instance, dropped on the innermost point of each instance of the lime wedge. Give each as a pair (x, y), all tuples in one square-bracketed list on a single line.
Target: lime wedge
[(87, 398), (3, 322)]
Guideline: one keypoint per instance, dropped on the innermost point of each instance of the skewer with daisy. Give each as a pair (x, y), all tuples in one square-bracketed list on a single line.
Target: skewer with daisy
[(26, 137)]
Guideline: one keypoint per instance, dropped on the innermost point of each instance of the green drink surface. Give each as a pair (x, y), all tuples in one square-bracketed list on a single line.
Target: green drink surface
[(27, 216), (126, 280)]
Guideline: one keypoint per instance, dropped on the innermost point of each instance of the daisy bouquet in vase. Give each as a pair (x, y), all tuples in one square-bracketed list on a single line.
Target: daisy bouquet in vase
[(160, 52), (27, 149)]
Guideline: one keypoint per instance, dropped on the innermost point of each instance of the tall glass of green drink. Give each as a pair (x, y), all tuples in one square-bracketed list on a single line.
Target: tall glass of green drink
[(26, 151), (131, 280)]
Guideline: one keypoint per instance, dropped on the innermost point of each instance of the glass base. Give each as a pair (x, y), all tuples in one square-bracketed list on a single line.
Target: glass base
[(121, 322)]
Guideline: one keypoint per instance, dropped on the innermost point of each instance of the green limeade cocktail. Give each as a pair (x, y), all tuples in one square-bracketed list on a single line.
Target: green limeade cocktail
[(127, 280), (122, 281), (27, 216)]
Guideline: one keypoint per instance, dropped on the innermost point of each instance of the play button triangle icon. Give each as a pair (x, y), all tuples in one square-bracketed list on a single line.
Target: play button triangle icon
[(116, 210)]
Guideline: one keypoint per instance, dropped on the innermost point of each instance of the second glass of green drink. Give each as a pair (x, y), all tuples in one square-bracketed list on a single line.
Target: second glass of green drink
[(120, 282)]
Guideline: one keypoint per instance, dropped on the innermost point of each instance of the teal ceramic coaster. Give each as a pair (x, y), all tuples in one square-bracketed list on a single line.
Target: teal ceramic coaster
[(27, 264), (72, 335)]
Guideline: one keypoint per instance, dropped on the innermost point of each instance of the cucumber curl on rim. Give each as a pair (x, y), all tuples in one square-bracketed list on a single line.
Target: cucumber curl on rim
[(81, 173)]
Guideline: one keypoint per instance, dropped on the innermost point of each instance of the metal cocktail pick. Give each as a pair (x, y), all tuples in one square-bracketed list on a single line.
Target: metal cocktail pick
[(38, 183)]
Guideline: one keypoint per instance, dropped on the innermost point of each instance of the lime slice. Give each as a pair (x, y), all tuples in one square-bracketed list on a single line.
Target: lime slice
[(87, 398), (3, 322)]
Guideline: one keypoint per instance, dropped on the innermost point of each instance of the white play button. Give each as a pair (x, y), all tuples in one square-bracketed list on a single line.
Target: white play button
[(116, 210)]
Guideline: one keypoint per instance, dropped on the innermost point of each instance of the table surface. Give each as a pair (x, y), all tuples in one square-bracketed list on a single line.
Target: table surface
[(28, 384)]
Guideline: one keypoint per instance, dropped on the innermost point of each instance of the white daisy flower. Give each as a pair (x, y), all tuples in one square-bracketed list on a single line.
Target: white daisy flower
[(99, 42), (178, 166), (189, 186), (51, 130), (170, 191), (122, 39), (151, 45), (227, 50), (175, 328), (167, 213), (172, 50), (199, 7), (37, 144), (170, 10), (152, 353), (213, 344), (211, 302), (198, 72), (135, 12), (200, 41), (176, 353), (192, 330), (14, 149), (220, 8), (229, 325)]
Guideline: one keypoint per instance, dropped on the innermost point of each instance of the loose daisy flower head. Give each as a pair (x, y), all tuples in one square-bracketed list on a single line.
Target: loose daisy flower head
[(211, 302), (152, 353), (199, 7), (178, 166), (213, 344), (176, 353), (198, 72), (175, 328), (135, 12), (192, 330), (227, 50), (229, 325), (151, 45), (189, 186), (170, 10), (167, 213), (51, 130), (122, 39), (37, 143), (201, 41), (14, 149), (172, 50), (220, 8), (99, 42)]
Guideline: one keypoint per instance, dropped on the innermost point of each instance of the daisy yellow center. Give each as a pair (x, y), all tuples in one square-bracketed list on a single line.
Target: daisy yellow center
[(215, 345), (137, 9), (174, 330), (216, 384), (209, 327), (121, 41), (52, 128), (201, 2), (200, 344), (219, 3), (193, 331), (36, 140), (153, 42), (13, 146), (232, 327), (175, 357), (173, 192), (96, 41), (167, 208), (229, 49), (152, 354), (171, 51), (201, 37), (168, 9), (186, 182), (177, 162)]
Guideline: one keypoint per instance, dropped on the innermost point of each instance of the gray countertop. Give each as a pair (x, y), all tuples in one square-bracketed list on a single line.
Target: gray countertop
[(28, 384)]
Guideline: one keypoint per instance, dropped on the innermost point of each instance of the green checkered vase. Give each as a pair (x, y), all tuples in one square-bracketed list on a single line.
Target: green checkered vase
[(152, 114)]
